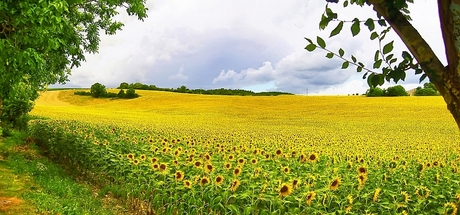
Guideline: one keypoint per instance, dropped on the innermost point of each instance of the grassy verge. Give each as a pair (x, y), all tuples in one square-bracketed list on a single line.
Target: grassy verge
[(31, 184)]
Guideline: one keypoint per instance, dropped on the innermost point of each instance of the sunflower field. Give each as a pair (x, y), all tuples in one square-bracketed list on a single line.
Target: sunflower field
[(201, 154)]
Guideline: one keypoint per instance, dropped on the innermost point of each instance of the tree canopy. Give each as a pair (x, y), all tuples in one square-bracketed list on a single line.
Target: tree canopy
[(419, 57), (42, 40)]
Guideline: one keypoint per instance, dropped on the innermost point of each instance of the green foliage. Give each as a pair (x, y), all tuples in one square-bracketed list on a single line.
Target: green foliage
[(428, 90), (16, 107), (391, 67), (40, 41), (131, 93), (221, 91), (123, 85), (121, 94), (397, 90), (374, 92), (98, 90)]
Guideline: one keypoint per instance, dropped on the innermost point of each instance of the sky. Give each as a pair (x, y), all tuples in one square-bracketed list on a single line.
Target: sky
[(239, 44)]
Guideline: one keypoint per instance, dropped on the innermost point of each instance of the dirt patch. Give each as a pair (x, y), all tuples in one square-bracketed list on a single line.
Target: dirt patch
[(7, 204)]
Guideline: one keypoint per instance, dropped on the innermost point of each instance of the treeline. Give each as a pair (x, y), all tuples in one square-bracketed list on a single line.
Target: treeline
[(99, 91), (184, 89), (428, 90)]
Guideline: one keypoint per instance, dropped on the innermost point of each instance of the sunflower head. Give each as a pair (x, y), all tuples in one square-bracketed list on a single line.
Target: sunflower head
[(237, 171), (362, 170), (187, 184), (228, 165), (279, 152), (179, 175), (204, 181), (197, 164), (163, 167), (309, 197), (254, 161), (219, 179), (335, 184), (285, 169), (208, 167), (235, 184), (313, 157), (130, 156), (285, 190)]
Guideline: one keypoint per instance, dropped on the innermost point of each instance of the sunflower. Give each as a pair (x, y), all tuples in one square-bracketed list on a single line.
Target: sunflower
[(241, 161), (279, 152), (228, 165), (295, 183), (130, 156), (197, 164), (406, 196), (176, 153), (135, 161), (231, 157), (309, 197), (219, 179), (302, 158), (207, 157), (286, 169), (187, 184), (235, 185), (350, 199), (362, 179), (257, 171), (120, 156), (335, 184), (285, 190), (450, 208), (376, 195), (179, 175), (209, 167), (237, 171), (154, 160), (204, 181), (313, 157), (163, 167), (362, 170), (348, 209), (143, 157), (422, 192), (254, 161), (155, 166)]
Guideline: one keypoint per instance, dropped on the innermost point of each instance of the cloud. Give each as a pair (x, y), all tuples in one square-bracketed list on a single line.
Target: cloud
[(239, 44)]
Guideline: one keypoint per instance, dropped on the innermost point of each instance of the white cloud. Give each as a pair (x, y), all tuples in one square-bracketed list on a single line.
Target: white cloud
[(240, 44)]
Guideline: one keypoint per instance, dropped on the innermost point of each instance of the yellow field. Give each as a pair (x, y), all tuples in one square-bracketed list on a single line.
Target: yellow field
[(381, 151)]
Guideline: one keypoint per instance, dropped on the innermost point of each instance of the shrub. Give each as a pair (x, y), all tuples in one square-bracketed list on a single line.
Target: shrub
[(131, 93), (121, 94), (397, 90), (374, 92), (98, 90)]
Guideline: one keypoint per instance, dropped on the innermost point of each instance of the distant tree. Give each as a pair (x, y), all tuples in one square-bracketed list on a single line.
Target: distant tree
[(131, 93), (98, 90), (428, 90), (182, 89), (152, 87), (121, 93), (374, 92), (123, 85), (397, 90)]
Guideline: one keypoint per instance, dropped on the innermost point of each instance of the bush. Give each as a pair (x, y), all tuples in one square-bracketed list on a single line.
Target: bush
[(426, 92), (131, 93), (121, 94), (397, 90), (374, 92), (98, 90)]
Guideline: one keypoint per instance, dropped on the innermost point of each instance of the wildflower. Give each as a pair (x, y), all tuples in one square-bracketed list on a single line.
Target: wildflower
[(130, 156), (228, 165), (451, 208), (143, 157), (209, 167), (286, 170), (313, 157), (154, 160), (187, 184), (279, 152), (237, 171), (254, 161), (204, 181), (362, 170), (422, 192), (163, 167)]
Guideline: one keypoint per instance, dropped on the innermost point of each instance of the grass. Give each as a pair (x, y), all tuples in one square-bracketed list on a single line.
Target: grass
[(32, 184)]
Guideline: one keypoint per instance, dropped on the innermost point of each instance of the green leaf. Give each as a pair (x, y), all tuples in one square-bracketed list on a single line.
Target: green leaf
[(337, 29), (374, 35), (377, 55), (418, 71), (359, 69), (309, 40), (345, 64), (341, 52), (370, 24), (353, 59), (345, 3), (355, 27), (382, 22), (330, 55), (369, 80), (407, 56), (377, 64), (389, 57), (324, 22), (321, 42), (310, 47), (388, 48)]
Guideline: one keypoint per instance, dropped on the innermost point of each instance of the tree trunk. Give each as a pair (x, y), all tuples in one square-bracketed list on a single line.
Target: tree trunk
[(445, 78)]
